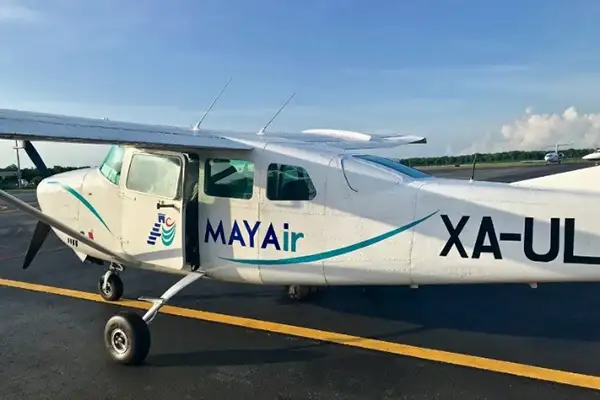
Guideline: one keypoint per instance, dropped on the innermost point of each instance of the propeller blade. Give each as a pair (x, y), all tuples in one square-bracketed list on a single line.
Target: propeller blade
[(39, 235), (35, 158)]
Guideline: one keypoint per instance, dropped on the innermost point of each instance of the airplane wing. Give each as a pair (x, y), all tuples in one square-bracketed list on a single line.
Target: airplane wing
[(349, 140), (32, 126), (26, 125)]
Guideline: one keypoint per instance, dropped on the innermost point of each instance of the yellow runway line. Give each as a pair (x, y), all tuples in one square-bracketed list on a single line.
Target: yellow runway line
[(464, 360)]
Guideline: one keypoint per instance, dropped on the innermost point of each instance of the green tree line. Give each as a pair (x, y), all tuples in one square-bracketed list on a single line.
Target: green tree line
[(506, 156), (31, 175)]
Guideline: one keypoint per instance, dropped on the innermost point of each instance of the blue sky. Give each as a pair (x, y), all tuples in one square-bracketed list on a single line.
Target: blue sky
[(460, 72)]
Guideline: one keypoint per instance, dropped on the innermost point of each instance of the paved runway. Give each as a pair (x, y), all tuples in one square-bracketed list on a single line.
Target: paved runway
[(505, 174), (51, 344)]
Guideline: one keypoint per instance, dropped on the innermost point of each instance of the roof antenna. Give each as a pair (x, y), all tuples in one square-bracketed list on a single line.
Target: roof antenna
[(197, 126), (262, 131), (473, 170)]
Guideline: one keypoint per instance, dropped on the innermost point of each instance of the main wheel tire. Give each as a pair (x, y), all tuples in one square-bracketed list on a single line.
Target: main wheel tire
[(127, 338), (114, 289), (298, 292)]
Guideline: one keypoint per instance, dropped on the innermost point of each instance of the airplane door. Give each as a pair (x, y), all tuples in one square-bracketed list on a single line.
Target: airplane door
[(229, 221), (153, 210)]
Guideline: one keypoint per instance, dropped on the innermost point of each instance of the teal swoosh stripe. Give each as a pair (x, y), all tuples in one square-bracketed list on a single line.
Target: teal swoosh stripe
[(335, 252), (83, 201)]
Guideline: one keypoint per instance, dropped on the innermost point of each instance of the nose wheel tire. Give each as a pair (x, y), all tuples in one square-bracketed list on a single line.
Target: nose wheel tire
[(113, 289), (127, 338)]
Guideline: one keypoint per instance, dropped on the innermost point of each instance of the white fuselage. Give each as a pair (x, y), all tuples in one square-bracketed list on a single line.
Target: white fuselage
[(553, 157), (595, 156), (359, 222)]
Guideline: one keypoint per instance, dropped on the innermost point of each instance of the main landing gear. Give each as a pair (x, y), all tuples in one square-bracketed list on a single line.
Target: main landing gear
[(110, 284), (302, 292), (127, 336)]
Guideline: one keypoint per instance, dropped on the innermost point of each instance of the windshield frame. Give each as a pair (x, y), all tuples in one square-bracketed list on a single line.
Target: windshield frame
[(112, 165)]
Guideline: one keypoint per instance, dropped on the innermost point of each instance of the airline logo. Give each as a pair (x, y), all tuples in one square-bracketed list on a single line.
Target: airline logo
[(164, 228)]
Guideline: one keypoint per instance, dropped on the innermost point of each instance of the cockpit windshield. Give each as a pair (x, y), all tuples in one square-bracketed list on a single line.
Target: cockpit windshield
[(112, 164), (396, 166)]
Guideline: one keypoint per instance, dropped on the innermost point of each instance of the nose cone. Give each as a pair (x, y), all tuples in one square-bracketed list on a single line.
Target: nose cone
[(58, 194), (45, 192)]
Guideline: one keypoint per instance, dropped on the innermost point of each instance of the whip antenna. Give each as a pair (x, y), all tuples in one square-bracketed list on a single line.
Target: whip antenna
[(262, 131), (197, 126)]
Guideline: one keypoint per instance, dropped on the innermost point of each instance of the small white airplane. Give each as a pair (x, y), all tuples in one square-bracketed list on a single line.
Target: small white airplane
[(594, 156), (554, 157), (292, 209)]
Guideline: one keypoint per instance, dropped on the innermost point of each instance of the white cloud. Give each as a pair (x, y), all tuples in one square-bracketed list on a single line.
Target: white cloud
[(11, 11), (541, 131)]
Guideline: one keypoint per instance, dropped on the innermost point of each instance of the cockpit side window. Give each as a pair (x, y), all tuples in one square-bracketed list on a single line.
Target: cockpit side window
[(227, 178), (289, 182), (154, 174), (112, 164)]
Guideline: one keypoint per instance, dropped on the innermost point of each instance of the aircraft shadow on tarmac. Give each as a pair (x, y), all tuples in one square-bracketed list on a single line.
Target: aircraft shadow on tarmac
[(235, 357), (241, 294), (553, 310), (556, 311)]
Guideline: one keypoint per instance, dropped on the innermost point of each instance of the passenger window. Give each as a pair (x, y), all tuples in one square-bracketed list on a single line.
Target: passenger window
[(155, 175), (229, 178), (288, 182), (111, 166)]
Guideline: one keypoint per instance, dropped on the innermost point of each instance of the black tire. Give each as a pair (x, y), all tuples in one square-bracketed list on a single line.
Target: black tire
[(298, 292), (127, 338), (114, 290)]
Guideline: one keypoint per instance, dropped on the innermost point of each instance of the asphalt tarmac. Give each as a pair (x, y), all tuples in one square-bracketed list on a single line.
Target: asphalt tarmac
[(505, 174), (405, 344)]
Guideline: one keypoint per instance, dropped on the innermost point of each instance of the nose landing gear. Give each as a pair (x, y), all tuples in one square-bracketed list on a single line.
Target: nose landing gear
[(110, 285)]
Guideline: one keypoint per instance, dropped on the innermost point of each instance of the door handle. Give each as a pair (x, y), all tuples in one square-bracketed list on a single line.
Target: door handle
[(161, 204)]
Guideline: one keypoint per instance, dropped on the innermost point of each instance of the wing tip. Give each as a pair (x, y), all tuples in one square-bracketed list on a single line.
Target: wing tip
[(406, 139)]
